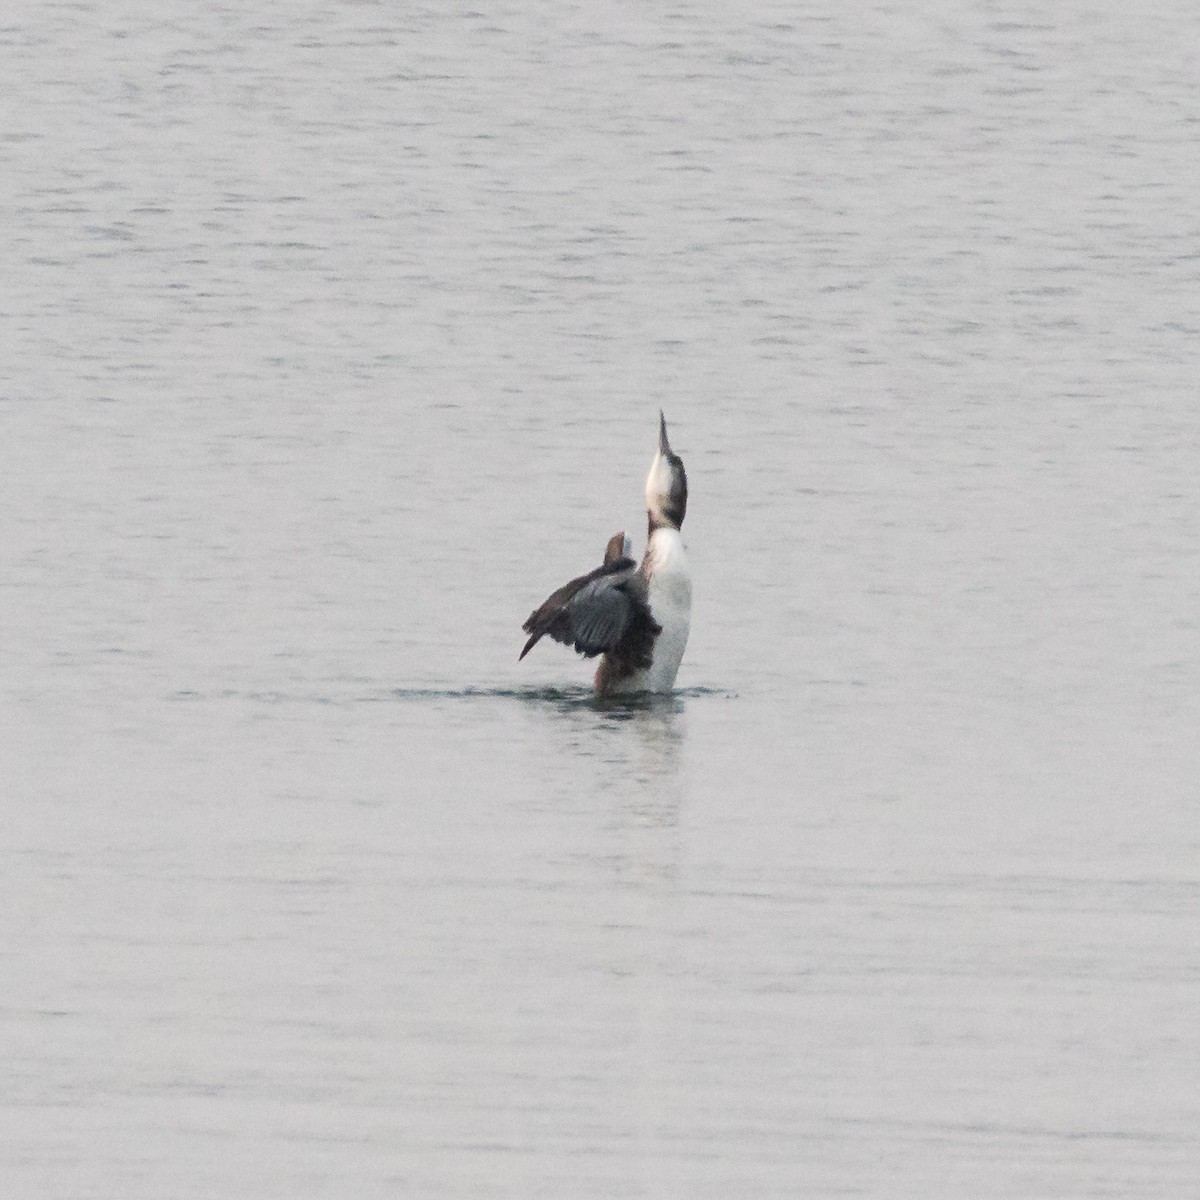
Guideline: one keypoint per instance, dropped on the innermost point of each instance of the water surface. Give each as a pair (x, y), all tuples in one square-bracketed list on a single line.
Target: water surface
[(335, 339)]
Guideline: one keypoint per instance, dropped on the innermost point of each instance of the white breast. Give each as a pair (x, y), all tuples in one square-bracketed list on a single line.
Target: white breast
[(670, 599)]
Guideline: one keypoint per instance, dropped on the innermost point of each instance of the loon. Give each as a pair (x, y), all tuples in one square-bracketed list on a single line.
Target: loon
[(635, 617)]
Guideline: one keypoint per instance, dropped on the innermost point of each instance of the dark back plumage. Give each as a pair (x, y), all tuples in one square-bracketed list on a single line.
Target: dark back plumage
[(615, 548)]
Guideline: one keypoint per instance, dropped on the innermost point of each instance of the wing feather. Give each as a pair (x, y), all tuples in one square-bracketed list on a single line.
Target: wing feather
[(591, 613)]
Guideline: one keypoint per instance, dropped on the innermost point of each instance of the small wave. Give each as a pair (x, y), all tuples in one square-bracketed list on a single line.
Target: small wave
[(560, 696)]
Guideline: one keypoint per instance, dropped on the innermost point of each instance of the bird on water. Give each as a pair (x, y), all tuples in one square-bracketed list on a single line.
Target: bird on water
[(635, 616)]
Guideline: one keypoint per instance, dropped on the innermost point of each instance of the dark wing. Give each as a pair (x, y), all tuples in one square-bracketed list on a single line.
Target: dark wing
[(594, 612), (615, 548)]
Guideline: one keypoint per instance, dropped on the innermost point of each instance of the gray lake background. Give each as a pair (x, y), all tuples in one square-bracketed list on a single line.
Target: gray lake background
[(334, 338)]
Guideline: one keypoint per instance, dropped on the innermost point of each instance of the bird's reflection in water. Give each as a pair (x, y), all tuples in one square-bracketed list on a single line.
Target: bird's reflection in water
[(640, 744), (623, 762), (656, 754), (647, 809)]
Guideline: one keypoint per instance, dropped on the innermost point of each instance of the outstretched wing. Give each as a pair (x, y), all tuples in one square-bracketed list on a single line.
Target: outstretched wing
[(596, 612)]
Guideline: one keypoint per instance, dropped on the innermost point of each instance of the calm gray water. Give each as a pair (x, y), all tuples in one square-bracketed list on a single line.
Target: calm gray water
[(334, 338)]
